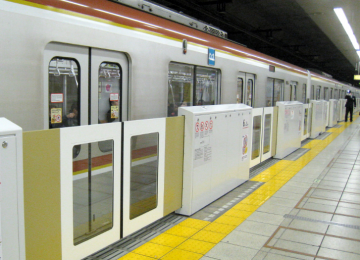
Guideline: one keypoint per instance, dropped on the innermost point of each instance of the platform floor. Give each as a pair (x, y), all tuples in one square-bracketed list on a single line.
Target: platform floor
[(308, 208)]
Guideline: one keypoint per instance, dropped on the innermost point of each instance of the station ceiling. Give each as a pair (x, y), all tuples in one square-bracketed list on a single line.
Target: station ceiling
[(306, 33)]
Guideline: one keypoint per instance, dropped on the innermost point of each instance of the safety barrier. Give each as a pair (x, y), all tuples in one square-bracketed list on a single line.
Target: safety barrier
[(12, 236), (306, 126)]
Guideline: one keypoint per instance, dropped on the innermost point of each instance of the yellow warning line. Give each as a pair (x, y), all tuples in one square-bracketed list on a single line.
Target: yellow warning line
[(193, 238)]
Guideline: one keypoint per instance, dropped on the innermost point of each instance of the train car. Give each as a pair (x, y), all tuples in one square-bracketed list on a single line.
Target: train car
[(75, 63)]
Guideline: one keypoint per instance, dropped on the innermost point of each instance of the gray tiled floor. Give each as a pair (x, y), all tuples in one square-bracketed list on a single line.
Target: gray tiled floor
[(331, 183)]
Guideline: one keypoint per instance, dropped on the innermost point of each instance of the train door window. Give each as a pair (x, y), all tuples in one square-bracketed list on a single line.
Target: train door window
[(249, 92), (312, 92), (64, 92), (293, 88), (256, 137), (240, 90), (93, 195), (206, 86), (326, 90), (109, 86), (278, 91), (269, 92), (318, 88), (304, 94), (181, 84), (331, 93), (144, 174)]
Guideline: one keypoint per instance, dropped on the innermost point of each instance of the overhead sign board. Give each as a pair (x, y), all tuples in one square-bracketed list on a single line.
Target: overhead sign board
[(356, 77)]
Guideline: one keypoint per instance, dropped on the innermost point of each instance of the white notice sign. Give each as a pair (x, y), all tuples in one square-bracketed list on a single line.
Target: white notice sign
[(203, 129)]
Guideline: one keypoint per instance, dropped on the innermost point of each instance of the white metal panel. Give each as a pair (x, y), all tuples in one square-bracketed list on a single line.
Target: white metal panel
[(316, 118), (135, 128), (12, 234), (266, 131), (216, 152), (69, 137), (333, 106), (289, 128), (256, 137), (305, 130)]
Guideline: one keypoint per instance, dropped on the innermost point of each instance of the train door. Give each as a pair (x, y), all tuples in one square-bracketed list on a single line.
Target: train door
[(304, 94), (240, 90), (274, 91), (293, 88), (87, 86), (247, 89)]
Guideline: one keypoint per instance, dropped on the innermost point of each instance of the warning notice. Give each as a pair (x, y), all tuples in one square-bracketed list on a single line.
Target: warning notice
[(56, 115), (203, 127)]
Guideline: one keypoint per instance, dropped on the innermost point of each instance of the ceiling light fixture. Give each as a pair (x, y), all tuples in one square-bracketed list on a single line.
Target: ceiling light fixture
[(344, 21)]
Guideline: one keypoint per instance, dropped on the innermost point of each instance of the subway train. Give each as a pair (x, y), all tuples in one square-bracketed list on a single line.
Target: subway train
[(79, 63)]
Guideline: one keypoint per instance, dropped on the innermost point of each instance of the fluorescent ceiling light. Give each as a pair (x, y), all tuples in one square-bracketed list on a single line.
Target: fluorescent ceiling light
[(344, 21)]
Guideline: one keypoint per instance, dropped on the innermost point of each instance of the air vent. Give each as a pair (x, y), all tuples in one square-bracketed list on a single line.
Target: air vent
[(172, 15)]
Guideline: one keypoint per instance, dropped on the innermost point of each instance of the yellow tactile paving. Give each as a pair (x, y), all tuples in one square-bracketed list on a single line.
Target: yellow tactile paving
[(152, 250), (220, 228), (168, 240), (209, 236), (182, 231), (178, 254), (132, 256), (194, 223), (228, 220), (193, 238), (196, 246)]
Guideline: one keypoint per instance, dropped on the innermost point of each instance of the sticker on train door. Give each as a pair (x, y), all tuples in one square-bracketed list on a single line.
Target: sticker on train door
[(56, 115), (244, 147)]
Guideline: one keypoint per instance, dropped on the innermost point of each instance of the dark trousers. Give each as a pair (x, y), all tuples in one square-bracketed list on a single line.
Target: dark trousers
[(348, 109)]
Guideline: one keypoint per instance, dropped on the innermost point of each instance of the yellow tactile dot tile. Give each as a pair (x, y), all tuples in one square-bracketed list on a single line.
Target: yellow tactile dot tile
[(152, 250), (194, 223), (252, 202), (178, 254), (228, 220), (237, 213), (182, 231), (264, 192), (196, 246), (220, 228), (132, 256), (209, 236), (261, 196), (246, 207), (168, 240)]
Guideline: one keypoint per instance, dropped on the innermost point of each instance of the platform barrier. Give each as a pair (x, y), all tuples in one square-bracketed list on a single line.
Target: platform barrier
[(12, 234), (325, 105), (73, 181), (333, 108), (217, 152), (290, 121), (306, 126), (317, 123)]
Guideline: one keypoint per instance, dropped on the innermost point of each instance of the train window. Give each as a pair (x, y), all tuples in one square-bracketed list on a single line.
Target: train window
[(306, 121), (64, 92), (109, 86), (93, 195), (293, 87), (304, 94), (318, 88), (249, 92), (267, 134), (206, 86), (240, 90), (331, 93), (256, 137), (274, 91), (181, 82), (109, 92), (185, 91), (143, 174)]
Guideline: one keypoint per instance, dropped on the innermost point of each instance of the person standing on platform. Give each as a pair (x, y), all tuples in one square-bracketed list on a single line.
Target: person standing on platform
[(350, 103)]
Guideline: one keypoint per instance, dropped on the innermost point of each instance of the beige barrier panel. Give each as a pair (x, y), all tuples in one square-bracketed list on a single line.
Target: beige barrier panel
[(174, 156), (42, 194)]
